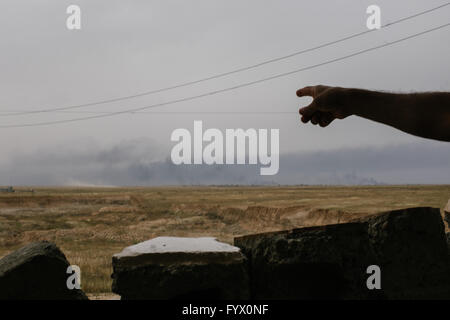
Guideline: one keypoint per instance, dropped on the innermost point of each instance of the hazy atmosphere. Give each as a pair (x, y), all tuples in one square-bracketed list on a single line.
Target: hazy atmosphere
[(129, 47)]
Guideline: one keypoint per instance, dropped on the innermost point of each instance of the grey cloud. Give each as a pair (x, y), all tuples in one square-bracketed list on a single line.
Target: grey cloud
[(141, 162), (128, 47)]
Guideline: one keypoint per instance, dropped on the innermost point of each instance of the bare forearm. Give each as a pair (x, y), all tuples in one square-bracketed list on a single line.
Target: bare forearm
[(422, 114)]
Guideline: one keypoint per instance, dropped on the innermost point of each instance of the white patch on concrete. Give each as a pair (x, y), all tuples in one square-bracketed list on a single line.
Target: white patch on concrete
[(176, 244)]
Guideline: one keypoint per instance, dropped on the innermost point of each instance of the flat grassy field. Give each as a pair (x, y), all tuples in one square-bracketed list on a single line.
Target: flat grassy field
[(91, 224)]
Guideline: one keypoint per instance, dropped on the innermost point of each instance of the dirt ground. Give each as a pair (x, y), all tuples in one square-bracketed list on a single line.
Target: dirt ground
[(91, 224)]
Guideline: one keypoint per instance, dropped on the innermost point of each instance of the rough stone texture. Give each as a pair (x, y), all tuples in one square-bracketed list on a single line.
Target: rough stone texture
[(180, 268), (36, 272), (411, 250), (330, 262), (327, 262), (447, 213), (448, 243)]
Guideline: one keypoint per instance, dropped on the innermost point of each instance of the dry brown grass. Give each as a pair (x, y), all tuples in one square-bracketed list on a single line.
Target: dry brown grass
[(91, 224)]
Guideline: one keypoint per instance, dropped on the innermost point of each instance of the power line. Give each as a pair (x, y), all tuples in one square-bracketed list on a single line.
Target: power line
[(177, 112), (221, 75), (247, 84)]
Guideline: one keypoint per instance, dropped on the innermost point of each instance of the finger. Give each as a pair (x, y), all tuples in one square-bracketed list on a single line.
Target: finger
[(308, 111), (324, 122), (305, 120), (315, 119), (326, 119), (306, 92)]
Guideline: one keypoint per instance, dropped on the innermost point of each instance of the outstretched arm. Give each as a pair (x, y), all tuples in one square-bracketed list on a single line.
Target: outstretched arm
[(425, 115)]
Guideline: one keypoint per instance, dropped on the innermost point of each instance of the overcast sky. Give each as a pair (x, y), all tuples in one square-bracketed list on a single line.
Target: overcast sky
[(129, 47)]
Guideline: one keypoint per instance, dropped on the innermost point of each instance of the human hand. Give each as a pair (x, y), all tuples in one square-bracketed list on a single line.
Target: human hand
[(329, 103)]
